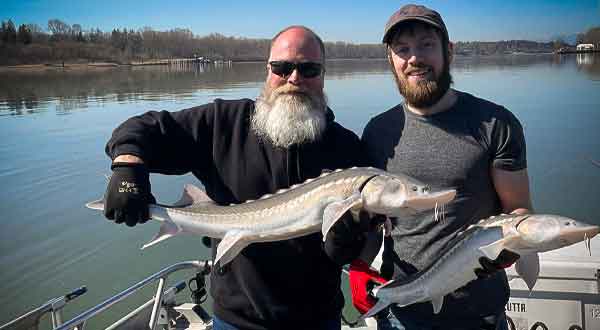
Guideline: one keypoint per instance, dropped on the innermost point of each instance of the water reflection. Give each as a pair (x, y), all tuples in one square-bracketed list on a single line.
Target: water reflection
[(585, 59), (589, 64), (35, 91), (68, 90), (500, 62), (25, 92)]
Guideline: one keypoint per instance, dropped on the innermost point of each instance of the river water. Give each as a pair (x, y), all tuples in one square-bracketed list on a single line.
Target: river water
[(54, 124)]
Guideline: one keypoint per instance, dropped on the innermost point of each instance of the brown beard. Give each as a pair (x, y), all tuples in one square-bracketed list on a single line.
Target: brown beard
[(426, 93), (289, 115)]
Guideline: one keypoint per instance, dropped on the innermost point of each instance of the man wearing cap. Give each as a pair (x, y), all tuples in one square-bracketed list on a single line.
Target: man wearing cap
[(242, 150), (449, 139)]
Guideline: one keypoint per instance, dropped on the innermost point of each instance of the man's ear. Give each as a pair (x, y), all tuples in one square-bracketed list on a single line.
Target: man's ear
[(388, 52), (450, 52)]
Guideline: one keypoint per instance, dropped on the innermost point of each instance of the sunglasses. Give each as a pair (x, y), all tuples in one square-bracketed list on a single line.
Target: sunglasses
[(305, 69)]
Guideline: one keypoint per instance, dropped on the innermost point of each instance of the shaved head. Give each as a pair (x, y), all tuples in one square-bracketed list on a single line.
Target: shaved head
[(300, 29)]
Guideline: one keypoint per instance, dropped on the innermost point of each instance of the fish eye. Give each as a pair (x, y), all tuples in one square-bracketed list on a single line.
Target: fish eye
[(415, 188)]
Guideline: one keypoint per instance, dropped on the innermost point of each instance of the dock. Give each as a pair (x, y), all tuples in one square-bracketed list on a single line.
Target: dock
[(576, 51), (580, 49), (180, 61)]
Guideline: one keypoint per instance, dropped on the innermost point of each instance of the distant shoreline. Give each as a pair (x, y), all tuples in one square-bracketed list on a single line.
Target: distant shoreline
[(78, 65), (69, 66)]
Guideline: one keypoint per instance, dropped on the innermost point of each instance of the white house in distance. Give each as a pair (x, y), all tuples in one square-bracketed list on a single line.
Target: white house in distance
[(585, 47)]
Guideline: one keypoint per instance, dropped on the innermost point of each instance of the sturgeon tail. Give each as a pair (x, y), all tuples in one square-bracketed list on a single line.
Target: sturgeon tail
[(97, 205), (379, 306)]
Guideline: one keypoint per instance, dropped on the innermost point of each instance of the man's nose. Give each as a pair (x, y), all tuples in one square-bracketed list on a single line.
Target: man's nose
[(295, 77), (415, 57)]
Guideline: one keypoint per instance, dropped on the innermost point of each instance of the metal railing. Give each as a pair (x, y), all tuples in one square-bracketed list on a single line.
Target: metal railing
[(79, 321), (31, 319)]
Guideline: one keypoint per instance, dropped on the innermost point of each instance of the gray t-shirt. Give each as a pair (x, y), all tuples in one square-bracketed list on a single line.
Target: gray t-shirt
[(453, 149)]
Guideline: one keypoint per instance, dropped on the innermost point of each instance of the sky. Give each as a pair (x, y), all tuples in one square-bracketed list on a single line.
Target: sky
[(333, 20)]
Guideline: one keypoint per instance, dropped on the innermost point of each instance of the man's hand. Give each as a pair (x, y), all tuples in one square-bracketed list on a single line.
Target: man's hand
[(346, 239), (128, 194), (489, 267), (365, 222), (362, 280)]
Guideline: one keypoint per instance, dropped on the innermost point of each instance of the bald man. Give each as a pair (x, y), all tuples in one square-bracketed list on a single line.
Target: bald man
[(241, 150)]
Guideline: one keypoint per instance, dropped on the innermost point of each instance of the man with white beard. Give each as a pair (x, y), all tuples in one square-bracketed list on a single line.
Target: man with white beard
[(289, 115), (241, 150)]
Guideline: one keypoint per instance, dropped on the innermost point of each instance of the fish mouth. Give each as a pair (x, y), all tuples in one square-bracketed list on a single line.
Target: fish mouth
[(580, 233), (430, 200)]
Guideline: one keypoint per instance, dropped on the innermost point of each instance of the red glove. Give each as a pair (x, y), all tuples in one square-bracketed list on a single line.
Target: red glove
[(362, 279)]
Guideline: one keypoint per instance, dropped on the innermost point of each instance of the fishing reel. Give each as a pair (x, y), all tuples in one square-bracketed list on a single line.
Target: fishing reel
[(197, 286)]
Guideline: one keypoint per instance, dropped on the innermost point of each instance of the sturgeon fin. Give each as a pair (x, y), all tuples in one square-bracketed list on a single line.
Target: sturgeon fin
[(492, 251), (381, 304), (528, 267), (335, 210), (192, 195), (437, 303), (231, 245), (167, 230), (96, 205)]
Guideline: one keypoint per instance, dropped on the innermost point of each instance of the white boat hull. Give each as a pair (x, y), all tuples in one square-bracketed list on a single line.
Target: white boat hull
[(566, 295)]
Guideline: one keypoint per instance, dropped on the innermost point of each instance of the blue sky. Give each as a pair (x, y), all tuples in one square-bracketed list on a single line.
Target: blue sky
[(359, 22)]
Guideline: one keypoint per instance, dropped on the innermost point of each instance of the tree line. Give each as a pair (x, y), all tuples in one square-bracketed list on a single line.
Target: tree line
[(592, 36), (62, 42), (502, 47), (71, 43)]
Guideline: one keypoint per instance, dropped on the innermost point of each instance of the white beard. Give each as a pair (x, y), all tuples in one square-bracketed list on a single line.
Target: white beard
[(285, 117)]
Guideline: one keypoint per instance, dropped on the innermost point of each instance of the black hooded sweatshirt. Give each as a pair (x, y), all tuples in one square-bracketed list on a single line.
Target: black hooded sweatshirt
[(279, 285)]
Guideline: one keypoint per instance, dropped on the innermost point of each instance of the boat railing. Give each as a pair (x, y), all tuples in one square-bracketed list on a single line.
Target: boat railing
[(31, 319), (54, 306), (161, 276)]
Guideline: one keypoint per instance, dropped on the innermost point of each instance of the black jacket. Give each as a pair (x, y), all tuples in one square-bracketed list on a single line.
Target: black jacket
[(283, 284)]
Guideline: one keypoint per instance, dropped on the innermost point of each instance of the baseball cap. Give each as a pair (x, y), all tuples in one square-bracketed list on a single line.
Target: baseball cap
[(413, 12)]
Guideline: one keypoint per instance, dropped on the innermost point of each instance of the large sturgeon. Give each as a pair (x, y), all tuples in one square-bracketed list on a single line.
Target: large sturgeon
[(302, 209), (526, 235)]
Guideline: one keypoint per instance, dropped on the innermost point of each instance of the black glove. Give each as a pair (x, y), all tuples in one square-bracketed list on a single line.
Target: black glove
[(352, 228), (128, 194), (489, 267), (346, 238)]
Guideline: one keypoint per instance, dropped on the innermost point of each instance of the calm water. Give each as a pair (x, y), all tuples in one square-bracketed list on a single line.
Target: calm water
[(54, 124)]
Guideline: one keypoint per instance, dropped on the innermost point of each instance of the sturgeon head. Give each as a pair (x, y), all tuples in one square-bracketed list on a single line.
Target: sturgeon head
[(392, 195), (401, 196), (529, 234)]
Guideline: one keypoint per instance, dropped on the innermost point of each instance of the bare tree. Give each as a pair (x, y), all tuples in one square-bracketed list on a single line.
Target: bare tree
[(592, 35), (60, 30), (77, 33)]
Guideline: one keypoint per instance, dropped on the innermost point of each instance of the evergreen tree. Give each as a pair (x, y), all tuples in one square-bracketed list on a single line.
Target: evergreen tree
[(3, 32), (9, 34), (37, 33), (24, 35)]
